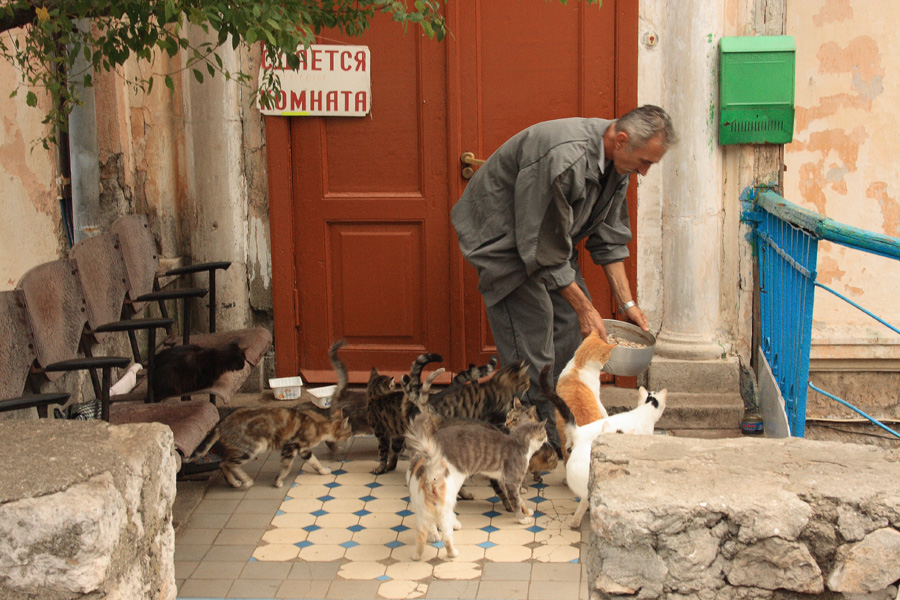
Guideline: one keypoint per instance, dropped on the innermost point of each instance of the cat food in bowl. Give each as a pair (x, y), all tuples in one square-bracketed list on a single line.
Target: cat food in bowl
[(634, 350), (322, 395), (286, 388)]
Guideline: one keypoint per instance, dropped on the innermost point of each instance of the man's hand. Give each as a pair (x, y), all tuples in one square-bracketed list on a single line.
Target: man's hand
[(588, 318), (637, 316)]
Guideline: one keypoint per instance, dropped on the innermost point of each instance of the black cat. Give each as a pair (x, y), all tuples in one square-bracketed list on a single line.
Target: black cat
[(184, 369)]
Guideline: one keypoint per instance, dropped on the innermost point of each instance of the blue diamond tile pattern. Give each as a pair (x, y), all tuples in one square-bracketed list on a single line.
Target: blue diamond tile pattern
[(405, 512), (304, 544), (383, 578), (487, 545), (534, 529), (539, 486), (311, 528), (355, 528), (362, 512), (325, 498), (438, 544), (332, 485), (319, 513), (538, 499), (373, 485), (489, 529), (494, 499), (491, 514), (339, 471), (400, 528), (368, 498), (349, 544), (394, 544)]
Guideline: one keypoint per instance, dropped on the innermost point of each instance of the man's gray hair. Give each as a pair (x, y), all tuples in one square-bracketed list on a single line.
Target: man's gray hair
[(644, 123)]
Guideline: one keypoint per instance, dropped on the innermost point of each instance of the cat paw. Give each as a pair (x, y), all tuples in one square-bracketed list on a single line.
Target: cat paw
[(247, 485), (525, 520), (278, 483), (379, 470), (452, 552), (465, 494), (457, 525), (324, 471), (575, 524), (527, 511)]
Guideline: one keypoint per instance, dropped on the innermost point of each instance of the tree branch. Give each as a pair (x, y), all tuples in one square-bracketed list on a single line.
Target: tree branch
[(18, 17)]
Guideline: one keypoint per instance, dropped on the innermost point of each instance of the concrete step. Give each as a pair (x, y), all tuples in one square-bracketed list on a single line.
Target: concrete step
[(684, 411)]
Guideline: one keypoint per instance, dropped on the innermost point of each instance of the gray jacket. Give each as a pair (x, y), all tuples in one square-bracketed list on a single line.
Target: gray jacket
[(534, 200)]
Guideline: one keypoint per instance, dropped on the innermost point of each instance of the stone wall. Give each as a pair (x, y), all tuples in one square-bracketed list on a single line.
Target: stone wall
[(693, 519), (86, 511)]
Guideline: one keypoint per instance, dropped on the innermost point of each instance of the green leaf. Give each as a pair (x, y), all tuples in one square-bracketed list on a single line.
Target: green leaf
[(169, 83), (198, 75), (31, 99)]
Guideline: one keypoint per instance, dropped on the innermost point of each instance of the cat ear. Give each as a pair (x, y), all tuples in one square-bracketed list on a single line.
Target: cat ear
[(533, 413), (517, 403), (337, 414)]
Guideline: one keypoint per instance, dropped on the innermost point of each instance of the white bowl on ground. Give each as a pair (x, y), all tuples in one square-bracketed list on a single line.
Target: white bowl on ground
[(322, 395), (286, 388)]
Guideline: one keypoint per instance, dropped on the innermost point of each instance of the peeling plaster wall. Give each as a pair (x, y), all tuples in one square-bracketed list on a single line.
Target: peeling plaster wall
[(842, 164), (30, 228)]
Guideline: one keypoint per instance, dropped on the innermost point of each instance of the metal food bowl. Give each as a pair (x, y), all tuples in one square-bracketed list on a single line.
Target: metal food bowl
[(624, 361)]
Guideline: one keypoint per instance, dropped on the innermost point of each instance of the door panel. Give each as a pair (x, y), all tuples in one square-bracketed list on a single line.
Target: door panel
[(375, 257), (373, 240)]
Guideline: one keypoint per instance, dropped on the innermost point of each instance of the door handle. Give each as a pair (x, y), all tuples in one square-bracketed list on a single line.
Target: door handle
[(468, 159)]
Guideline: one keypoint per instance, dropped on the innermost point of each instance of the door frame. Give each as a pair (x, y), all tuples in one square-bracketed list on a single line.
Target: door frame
[(285, 300)]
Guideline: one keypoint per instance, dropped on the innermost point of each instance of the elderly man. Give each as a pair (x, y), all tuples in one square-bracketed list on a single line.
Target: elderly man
[(522, 214)]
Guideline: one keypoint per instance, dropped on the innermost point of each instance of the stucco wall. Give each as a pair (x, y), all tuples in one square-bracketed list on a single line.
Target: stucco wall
[(842, 164)]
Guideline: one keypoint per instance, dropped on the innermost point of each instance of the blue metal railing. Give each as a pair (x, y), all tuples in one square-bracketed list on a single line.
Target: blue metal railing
[(787, 238)]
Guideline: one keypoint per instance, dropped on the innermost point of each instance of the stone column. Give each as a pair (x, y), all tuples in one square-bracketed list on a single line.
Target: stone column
[(692, 211)]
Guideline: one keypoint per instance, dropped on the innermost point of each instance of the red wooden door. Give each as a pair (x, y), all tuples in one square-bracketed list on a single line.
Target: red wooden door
[(363, 248)]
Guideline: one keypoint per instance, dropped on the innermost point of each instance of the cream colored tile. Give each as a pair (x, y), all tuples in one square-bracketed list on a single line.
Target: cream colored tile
[(469, 552), (331, 535), (374, 536), (345, 505), (217, 570), (508, 554), (285, 535), (359, 466), (391, 491), (338, 520), (457, 570), (558, 554), (414, 570), (310, 477), (395, 477), (301, 505), (294, 520), (205, 588), (400, 590), (511, 537), (257, 588), (562, 537), (470, 536), (470, 521), (473, 507), (349, 491), (276, 552), (388, 505), (355, 478), (347, 589), (323, 552), (361, 570), (368, 552), (552, 590), (404, 553), (308, 491), (380, 520)]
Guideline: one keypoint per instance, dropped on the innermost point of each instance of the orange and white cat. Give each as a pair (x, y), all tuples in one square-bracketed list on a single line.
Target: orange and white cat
[(579, 385)]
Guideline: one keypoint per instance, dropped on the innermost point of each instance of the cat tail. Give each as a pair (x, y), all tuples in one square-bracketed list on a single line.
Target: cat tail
[(420, 437), (206, 444), (474, 372), (339, 368), (549, 392), (414, 383)]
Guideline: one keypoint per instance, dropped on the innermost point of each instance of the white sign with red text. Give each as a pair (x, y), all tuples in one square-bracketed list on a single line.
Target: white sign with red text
[(332, 81)]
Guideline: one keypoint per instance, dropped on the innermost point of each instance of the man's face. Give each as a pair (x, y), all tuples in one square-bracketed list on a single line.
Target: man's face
[(637, 160)]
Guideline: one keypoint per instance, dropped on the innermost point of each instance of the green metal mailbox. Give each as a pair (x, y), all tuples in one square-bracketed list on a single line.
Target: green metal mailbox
[(756, 90)]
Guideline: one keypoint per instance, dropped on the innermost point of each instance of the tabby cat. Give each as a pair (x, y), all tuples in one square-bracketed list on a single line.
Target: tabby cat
[(247, 432), (391, 408), (545, 459), (445, 457), (189, 368)]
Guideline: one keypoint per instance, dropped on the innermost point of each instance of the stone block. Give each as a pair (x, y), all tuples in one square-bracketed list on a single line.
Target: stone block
[(86, 511), (698, 519)]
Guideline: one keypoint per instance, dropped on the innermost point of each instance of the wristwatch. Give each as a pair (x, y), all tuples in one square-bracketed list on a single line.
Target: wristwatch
[(623, 308)]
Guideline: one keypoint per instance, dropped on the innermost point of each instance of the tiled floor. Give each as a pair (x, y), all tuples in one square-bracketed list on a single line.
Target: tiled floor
[(350, 535)]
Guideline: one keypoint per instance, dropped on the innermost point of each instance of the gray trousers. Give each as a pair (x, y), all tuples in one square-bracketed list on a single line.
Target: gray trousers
[(540, 326)]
